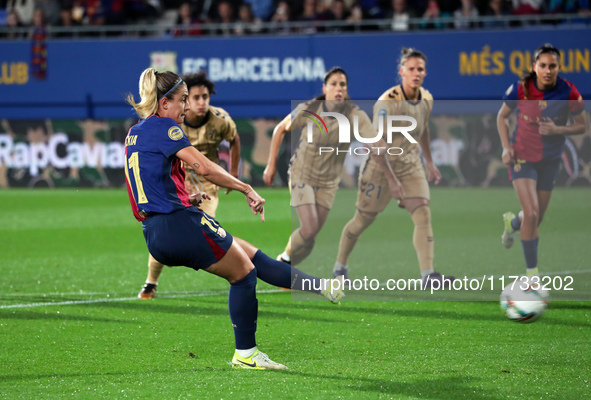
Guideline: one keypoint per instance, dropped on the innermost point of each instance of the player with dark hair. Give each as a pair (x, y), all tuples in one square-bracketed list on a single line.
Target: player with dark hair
[(177, 233), (206, 127), (549, 107), (409, 99), (313, 178)]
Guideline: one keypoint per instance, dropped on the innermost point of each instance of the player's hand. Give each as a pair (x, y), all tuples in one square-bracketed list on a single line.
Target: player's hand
[(197, 198), (547, 126), (396, 189), (235, 175), (256, 203), (269, 175), (434, 173), (508, 156)]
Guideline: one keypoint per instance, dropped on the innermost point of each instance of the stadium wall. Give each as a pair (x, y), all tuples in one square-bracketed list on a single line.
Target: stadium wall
[(89, 153), (68, 129), (259, 76)]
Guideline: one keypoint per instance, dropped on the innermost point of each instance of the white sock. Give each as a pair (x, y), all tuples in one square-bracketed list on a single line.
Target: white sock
[(338, 265), (426, 272), (152, 283), (246, 353), (285, 256)]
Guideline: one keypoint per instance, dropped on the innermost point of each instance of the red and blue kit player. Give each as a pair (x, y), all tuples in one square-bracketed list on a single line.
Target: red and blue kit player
[(179, 234), (549, 107)]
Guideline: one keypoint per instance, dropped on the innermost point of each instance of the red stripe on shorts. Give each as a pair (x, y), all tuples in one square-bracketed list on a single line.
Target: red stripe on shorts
[(218, 252)]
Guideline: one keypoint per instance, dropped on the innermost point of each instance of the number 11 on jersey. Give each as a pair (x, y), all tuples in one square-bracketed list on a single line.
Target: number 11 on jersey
[(134, 163)]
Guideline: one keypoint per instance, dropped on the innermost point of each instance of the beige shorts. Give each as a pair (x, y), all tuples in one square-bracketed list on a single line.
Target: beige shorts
[(195, 182), (373, 194), (303, 194)]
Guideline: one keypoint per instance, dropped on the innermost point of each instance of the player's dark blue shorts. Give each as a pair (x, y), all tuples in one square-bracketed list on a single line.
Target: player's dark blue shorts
[(187, 237), (543, 172)]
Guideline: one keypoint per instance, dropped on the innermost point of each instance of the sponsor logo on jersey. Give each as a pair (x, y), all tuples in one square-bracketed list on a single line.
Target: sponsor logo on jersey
[(175, 133)]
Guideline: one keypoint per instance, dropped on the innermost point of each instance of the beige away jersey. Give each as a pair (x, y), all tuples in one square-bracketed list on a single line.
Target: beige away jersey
[(307, 165), (207, 137), (393, 102)]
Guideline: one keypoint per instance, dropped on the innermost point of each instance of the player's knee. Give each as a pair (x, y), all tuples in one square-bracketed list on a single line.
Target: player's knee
[(412, 204), (309, 230), (421, 216), (247, 278), (241, 271), (361, 220), (302, 239), (530, 216)]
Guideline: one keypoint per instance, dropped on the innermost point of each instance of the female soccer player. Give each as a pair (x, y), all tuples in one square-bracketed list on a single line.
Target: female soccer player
[(178, 233), (409, 99), (314, 178), (205, 126), (546, 102)]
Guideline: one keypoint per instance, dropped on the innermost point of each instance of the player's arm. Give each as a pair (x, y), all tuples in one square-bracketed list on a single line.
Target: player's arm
[(425, 143), (216, 174), (508, 156), (579, 125), (276, 140), (235, 155)]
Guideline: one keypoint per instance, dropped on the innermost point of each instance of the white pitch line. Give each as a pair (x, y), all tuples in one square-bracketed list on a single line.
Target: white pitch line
[(109, 300), (180, 296)]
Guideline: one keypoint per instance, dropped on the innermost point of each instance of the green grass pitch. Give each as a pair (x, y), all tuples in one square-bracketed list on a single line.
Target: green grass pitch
[(72, 262)]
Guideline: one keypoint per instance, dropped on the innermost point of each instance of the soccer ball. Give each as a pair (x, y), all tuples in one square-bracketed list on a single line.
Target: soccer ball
[(523, 305)]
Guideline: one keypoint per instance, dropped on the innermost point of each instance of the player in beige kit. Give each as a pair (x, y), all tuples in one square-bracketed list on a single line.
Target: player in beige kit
[(314, 178), (206, 127), (408, 99)]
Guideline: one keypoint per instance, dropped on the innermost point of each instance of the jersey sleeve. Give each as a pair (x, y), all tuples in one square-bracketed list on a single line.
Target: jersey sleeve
[(230, 129), (428, 98), (170, 138), (296, 118), (511, 96), (575, 101)]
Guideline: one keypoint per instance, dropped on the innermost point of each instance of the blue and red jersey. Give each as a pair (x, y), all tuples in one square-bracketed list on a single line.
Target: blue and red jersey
[(557, 104), (155, 176)]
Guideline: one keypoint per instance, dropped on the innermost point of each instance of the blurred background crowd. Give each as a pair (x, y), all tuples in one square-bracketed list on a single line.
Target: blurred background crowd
[(245, 17)]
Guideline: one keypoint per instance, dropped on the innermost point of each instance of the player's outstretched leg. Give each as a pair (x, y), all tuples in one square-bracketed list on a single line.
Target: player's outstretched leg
[(282, 275)]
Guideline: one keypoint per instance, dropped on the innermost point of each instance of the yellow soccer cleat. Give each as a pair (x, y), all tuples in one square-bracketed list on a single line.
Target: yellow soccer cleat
[(508, 236), (258, 360), (334, 290)]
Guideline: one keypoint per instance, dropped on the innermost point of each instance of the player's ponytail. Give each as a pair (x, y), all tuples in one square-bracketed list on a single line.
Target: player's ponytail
[(530, 75), (153, 86)]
